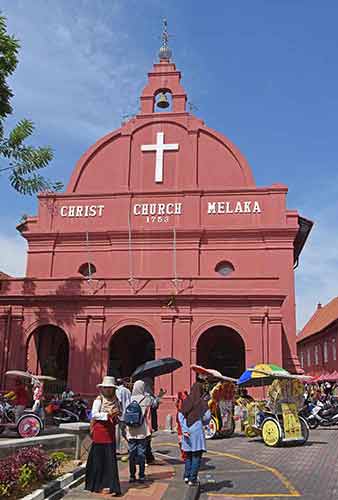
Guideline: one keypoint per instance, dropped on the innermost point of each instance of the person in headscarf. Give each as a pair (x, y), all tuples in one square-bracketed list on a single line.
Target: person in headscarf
[(193, 415), (102, 474), (137, 435)]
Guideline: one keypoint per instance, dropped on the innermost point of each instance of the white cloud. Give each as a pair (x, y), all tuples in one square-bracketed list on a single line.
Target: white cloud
[(12, 255), (75, 77)]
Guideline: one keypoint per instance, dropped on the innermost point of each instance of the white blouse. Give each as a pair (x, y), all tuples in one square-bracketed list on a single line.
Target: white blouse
[(97, 414)]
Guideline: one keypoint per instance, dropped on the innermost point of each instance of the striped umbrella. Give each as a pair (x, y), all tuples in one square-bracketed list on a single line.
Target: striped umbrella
[(262, 374)]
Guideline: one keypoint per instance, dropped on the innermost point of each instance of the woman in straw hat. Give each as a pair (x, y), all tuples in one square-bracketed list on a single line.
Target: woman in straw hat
[(102, 474)]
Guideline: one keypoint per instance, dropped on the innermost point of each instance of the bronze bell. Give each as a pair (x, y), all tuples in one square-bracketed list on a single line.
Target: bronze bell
[(162, 101)]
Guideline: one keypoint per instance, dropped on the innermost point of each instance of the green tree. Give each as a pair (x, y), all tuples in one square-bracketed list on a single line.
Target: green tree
[(21, 161)]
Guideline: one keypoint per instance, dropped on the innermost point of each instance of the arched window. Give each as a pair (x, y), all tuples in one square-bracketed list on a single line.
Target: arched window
[(325, 352), (316, 355), (334, 349), (224, 268), (308, 357), (87, 269)]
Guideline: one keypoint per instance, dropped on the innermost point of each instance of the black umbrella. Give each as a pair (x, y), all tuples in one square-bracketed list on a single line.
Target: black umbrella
[(156, 367)]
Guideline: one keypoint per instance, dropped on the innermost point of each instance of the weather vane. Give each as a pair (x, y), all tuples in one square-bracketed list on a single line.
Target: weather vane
[(165, 52)]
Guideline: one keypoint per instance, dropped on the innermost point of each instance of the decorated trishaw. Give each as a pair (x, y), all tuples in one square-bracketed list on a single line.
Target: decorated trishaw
[(276, 419), (29, 422), (221, 403)]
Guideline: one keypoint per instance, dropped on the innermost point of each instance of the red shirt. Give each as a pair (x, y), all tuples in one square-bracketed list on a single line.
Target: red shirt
[(103, 432), (21, 396)]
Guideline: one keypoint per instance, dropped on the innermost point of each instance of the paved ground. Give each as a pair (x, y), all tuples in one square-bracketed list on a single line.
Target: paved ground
[(241, 468)]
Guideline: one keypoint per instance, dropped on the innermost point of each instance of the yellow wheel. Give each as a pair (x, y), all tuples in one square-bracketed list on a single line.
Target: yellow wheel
[(271, 432)]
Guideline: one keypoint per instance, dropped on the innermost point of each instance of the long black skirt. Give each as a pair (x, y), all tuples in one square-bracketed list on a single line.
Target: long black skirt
[(101, 470)]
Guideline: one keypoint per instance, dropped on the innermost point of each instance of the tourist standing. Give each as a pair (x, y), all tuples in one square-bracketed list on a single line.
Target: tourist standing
[(67, 393), (101, 472), (193, 415), (123, 395), (181, 396), (155, 403), (137, 435)]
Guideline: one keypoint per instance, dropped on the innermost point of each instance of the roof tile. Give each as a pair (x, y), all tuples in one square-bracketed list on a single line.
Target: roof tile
[(322, 318)]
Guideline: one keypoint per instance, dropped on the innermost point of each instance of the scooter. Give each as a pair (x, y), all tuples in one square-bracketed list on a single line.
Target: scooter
[(323, 413), (67, 411)]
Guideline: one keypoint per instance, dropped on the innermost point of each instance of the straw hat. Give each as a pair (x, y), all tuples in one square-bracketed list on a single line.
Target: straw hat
[(107, 382)]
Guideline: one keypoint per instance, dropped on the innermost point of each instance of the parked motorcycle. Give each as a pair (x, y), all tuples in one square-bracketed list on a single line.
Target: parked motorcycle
[(323, 413), (68, 410)]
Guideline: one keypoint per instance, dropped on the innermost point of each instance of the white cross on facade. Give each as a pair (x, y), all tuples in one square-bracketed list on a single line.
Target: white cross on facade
[(159, 147)]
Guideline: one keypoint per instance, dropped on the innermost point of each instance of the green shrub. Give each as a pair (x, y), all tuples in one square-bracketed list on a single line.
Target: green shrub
[(60, 457), (27, 475), (5, 489), (21, 470)]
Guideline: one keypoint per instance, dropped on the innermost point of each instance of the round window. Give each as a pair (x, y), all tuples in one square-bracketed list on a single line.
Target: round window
[(224, 268), (87, 269)]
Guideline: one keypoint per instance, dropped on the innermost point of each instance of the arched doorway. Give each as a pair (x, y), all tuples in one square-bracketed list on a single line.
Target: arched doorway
[(48, 352), (129, 347), (223, 349)]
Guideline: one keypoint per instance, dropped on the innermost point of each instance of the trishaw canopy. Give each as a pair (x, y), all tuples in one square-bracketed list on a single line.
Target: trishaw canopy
[(210, 373), (28, 376), (262, 375)]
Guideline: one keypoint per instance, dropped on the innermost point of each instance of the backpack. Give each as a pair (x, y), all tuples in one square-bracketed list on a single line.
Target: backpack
[(133, 415)]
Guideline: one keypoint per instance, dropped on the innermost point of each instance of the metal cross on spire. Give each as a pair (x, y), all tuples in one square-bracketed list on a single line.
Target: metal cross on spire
[(165, 35), (165, 52)]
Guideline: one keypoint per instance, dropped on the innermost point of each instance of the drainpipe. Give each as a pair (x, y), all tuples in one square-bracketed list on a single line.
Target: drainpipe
[(2, 354), (267, 337), (6, 344), (85, 353), (263, 346)]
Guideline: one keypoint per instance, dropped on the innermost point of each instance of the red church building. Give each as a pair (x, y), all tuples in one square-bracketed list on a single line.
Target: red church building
[(161, 245)]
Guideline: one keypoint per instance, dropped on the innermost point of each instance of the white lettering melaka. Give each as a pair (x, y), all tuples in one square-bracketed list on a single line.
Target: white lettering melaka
[(238, 207), (81, 210)]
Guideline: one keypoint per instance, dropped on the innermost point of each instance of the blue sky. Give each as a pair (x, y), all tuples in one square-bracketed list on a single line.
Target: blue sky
[(262, 72)]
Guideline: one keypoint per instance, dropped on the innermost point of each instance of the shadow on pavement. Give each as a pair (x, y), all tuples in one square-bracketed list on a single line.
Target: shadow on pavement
[(217, 486), (205, 465), (171, 460)]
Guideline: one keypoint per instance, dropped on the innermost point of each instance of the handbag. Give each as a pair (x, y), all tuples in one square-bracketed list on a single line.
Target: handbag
[(92, 423)]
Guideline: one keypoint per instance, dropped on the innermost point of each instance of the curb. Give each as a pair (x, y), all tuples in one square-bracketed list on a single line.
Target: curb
[(59, 487), (60, 441)]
